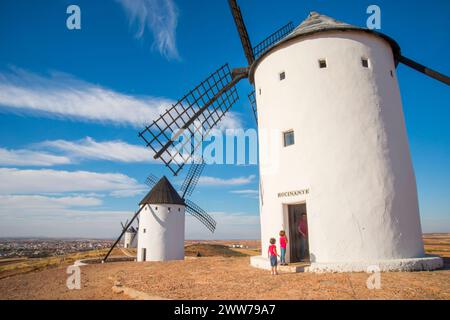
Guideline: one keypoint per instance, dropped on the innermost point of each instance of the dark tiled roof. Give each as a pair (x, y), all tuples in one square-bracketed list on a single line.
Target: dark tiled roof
[(162, 192)]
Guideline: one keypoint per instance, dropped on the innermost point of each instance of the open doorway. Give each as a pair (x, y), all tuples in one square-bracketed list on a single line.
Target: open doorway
[(144, 254), (296, 213)]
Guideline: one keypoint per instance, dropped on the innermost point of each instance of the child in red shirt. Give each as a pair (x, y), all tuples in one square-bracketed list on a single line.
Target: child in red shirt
[(283, 245), (272, 253)]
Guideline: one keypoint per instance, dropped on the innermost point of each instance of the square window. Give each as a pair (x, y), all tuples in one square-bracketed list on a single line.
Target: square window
[(288, 138), (282, 75), (365, 62), (322, 63)]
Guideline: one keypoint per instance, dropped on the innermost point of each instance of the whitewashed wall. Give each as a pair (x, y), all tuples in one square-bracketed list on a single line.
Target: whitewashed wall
[(351, 149), (161, 232)]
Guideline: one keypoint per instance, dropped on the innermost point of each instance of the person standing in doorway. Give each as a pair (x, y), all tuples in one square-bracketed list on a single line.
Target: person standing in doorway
[(283, 245), (303, 231)]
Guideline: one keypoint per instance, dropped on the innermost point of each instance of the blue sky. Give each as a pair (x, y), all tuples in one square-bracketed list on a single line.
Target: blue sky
[(72, 101)]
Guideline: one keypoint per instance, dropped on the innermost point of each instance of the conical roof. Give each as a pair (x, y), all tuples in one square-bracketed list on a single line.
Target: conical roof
[(319, 22), (162, 193)]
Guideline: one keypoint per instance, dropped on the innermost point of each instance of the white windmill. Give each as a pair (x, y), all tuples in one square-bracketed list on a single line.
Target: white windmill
[(161, 216), (130, 236), (329, 92)]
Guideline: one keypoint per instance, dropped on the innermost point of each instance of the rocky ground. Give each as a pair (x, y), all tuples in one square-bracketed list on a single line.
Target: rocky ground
[(226, 276)]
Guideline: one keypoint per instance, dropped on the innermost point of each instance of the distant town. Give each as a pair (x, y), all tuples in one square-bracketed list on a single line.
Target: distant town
[(42, 247)]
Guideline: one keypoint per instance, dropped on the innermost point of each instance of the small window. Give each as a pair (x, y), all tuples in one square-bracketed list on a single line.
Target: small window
[(144, 230), (168, 209), (392, 73), (365, 62), (288, 138), (322, 63), (156, 208), (259, 91), (282, 75), (179, 209)]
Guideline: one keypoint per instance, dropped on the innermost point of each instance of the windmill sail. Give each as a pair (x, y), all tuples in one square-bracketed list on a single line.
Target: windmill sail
[(252, 99), (201, 215), (242, 30), (191, 179), (192, 119), (151, 180), (429, 72), (275, 37)]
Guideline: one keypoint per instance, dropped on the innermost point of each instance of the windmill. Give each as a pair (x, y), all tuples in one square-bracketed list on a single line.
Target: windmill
[(130, 235), (202, 108), (332, 77), (163, 194)]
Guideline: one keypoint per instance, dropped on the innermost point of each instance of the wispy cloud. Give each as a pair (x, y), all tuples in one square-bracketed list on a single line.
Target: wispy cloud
[(15, 181), (62, 96), (230, 225), (62, 216), (30, 158), (88, 148), (214, 181), (246, 191), (160, 17)]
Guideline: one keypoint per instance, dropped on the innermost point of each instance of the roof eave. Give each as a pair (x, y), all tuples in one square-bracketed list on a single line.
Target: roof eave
[(291, 38)]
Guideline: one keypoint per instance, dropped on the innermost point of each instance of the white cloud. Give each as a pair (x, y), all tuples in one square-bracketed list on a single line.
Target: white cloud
[(246, 191), (160, 17), (62, 96), (67, 216), (38, 202), (231, 120), (30, 158), (88, 148), (15, 181), (229, 226), (214, 181)]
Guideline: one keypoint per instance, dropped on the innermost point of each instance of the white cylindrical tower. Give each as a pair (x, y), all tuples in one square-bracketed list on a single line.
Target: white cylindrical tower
[(333, 145), (130, 238), (161, 224)]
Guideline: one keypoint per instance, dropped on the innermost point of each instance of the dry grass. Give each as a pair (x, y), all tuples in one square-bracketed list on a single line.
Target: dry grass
[(12, 267), (226, 274)]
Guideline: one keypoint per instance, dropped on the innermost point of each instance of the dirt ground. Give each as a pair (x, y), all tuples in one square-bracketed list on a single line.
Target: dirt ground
[(219, 277)]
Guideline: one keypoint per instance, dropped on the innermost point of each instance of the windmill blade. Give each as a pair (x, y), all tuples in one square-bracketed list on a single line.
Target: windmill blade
[(252, 99), (429, 72), (191, 180), (275, 37), (132, 239), (121, 223), (127, 225), (192, 118), (242, 30), (201, 215), (151, 180)]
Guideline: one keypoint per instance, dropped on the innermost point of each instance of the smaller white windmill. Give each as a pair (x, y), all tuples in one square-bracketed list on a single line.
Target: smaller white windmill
[(160, 235), (130, 235)]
